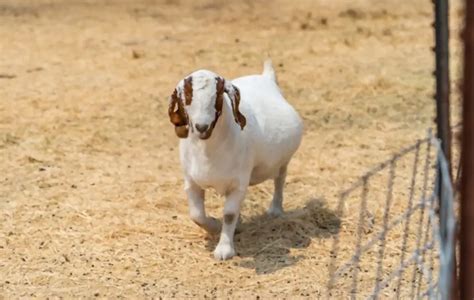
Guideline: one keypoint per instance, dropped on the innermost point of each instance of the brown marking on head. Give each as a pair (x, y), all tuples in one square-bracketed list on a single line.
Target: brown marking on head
[(188, 90), (184, 96), (219, 93), (229, 218), (219, 100), (234, 95)]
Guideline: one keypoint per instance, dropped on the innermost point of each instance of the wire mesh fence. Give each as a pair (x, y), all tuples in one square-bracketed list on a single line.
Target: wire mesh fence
[(398, 248)]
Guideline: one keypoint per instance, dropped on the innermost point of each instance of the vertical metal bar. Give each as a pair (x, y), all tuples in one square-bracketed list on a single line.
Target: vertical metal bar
[(442, 76), (442, 105), (467, 161)]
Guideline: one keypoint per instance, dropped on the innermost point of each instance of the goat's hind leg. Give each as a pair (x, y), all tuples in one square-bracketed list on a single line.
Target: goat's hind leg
[(276, 207), (197, 210)]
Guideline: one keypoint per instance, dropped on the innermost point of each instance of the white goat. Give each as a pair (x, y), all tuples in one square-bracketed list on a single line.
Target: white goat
[(242, 133)]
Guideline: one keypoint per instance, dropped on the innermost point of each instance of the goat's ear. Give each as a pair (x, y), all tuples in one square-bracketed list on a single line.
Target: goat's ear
[(177, 115), (234, 95)]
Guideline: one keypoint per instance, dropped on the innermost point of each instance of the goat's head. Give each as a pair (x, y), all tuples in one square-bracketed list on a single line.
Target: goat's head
[(197, 101)]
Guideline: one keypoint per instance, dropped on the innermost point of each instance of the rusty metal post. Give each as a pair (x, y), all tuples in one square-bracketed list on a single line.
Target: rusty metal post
[(441, 25), (467, 161)]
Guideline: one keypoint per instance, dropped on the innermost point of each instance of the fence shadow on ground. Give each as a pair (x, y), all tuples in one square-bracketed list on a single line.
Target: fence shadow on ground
[(264, 243)]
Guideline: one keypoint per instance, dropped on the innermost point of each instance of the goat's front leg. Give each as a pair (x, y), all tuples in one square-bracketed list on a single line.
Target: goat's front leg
[(197, 210), (225, 247)]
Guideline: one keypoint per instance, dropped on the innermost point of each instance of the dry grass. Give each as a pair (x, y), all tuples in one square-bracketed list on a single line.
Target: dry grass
[(91, 200)]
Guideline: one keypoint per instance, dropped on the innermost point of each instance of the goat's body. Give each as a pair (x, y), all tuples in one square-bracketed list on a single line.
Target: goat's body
[(232, 159), (275, 129), (271, 137)]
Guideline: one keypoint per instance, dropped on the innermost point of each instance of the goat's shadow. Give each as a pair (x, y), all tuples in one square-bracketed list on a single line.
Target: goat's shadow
[(264, 242)]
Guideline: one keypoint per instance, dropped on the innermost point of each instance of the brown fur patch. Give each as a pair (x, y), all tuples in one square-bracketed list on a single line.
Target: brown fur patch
[(176, 111), (240, 118), (219, 94), (219, 99), (181, 131), (178, 116), (229, 218), (188, 90), (235, 100)]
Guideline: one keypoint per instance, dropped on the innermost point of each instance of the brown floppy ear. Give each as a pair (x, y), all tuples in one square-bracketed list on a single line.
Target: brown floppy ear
[(234, 95), (178, 116)]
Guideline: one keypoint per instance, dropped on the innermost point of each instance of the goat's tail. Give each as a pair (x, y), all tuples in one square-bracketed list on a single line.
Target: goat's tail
[(268, 70)]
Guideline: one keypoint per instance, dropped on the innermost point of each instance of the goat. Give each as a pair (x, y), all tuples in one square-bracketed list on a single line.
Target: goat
[(233, 134)]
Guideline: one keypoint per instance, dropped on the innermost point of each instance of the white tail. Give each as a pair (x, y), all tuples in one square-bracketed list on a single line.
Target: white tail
[(268, 70)]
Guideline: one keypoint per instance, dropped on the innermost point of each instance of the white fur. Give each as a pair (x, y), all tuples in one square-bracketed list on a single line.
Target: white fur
[(232, 159)]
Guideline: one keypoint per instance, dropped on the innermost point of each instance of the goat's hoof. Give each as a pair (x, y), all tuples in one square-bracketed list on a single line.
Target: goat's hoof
[(224, 252), (275, 211)]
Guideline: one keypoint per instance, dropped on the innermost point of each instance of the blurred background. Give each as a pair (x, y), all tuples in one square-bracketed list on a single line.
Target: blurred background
[(91, 195)]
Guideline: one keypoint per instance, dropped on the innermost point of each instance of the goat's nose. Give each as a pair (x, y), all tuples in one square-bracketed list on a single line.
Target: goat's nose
[(202, 127)]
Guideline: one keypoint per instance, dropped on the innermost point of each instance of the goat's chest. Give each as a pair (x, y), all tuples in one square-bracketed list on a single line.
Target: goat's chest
[(218, 173)]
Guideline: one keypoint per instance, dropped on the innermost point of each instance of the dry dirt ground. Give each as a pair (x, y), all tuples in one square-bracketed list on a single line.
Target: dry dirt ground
[(91, 195)]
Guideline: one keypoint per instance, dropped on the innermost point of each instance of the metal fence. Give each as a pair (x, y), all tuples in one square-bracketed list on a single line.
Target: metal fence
[(398, 248)]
